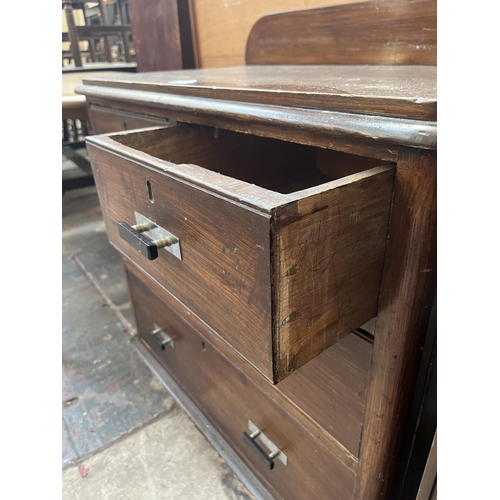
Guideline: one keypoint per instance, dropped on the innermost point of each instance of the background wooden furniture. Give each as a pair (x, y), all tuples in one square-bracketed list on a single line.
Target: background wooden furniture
[(163, 34), (76, 126), (384, 119), (95, 34), (222, 27)]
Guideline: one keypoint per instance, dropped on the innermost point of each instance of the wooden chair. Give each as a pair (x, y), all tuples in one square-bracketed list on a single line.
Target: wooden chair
[(103, 31)]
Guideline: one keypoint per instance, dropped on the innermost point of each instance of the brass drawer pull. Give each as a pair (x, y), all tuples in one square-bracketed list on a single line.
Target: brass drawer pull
[(267, 457), (147, 237), (161, 338)]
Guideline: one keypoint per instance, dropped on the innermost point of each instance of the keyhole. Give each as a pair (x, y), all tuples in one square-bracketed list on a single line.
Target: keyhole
[(203, 345), (150, 191)]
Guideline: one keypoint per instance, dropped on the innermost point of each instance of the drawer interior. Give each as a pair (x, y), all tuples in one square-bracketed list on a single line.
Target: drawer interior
[(279, 166), (331, 389)]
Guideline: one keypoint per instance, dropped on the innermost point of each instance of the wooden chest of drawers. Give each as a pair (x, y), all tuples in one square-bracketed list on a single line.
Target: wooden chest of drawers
[(280, 248), (266, 214)]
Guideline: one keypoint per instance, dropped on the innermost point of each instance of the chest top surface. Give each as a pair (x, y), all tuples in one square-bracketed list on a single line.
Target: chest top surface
[(400, 91)]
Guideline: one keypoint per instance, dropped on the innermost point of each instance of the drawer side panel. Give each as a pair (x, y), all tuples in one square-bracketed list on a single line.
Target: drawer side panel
[(329, 256)]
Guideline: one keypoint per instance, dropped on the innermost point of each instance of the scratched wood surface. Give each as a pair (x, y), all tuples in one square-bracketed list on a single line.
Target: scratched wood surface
[(402, 91), (375, 32), (328, 266), (227, 196)]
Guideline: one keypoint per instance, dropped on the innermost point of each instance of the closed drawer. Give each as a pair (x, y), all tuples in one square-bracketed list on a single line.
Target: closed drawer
[(230, 400), (279, 247), (105, 120)]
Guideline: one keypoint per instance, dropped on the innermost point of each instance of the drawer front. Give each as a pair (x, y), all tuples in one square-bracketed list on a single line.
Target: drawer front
[(223, 275), (230, 400), (277, 254), (105, 120)]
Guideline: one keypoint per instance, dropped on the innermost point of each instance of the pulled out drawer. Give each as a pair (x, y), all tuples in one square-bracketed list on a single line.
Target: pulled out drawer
[(291, 462), (277, 246)]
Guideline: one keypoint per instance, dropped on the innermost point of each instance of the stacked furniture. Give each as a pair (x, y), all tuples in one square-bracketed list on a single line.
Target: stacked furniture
[(101, 32), (277, 223)]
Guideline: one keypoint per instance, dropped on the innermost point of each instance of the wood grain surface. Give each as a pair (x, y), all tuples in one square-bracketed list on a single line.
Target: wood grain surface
[(156, 32), (333, 438), (224, 274), (222, 26), (328, 234), (229, 399), (402, 91), (407, 292), (362, 135), (374, 32), (328, 257), (331, 389)]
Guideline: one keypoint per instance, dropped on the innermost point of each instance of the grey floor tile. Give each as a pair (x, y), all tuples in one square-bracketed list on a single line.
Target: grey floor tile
[(167, 460), (107, 390), (104, 265), (116, 416), (69, 454)]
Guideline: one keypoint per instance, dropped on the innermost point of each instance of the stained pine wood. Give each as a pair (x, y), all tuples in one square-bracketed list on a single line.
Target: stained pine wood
[(212, 435), (229, 399), (381, 32), (222, 26), (402, 91), (156, 32), (407, 292), (288, 399), (224, 274), (362, 135), (331, 110), (331, 389), (291, 272), (328, 265)]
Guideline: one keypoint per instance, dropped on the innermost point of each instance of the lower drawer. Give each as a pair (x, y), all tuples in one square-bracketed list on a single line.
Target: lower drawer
[(234, 404)]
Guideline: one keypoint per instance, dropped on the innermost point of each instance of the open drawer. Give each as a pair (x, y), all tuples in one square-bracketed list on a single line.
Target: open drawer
[(277, 246)]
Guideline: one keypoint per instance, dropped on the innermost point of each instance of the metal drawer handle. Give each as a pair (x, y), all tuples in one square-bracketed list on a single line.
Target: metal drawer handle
[(160, 337), (134, 237), (267, 457), (148, 244)]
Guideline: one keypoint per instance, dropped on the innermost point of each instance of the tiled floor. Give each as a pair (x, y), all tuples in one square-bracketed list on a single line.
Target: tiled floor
[(123, 437)]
